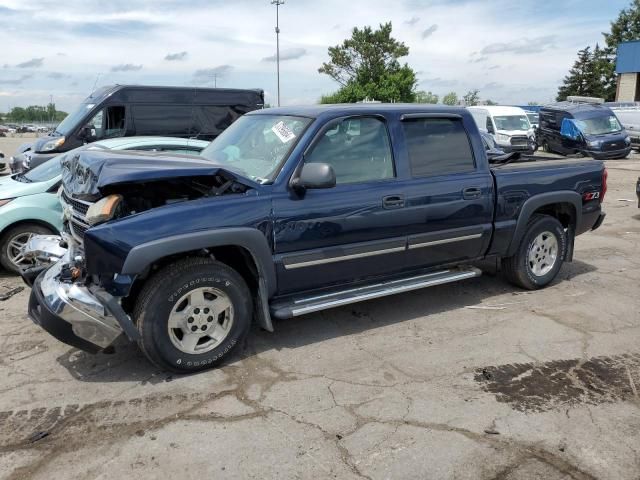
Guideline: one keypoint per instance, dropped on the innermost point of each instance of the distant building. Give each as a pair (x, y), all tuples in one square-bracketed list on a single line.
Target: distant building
[(628, 71)]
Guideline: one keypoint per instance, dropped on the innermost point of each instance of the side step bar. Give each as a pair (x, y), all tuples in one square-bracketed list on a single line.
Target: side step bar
[(302, 305)]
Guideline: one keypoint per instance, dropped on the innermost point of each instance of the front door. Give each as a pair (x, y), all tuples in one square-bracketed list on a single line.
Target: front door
[(349, 232)]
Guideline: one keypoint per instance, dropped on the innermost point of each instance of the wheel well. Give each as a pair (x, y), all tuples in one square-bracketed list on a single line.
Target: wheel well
[(40, 223), (564, 212)]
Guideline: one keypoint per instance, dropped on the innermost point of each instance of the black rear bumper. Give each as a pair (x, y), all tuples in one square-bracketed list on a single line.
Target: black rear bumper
[(52, 323)]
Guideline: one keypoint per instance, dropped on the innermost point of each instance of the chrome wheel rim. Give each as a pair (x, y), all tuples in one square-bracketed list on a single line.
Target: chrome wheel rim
[(543, 254), (200, 320), (14, 249)]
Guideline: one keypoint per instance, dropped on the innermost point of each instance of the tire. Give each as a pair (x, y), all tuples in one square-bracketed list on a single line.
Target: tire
[(12, 238), (530, 266), (218, 302), (546, 148)]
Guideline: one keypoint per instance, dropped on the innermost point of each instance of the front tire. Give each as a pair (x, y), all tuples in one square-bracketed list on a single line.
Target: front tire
[(13, 240), (192, 314), (539, 256)]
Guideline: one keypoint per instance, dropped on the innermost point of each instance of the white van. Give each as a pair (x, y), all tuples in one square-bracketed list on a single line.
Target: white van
[(629, 117), (509, 126)]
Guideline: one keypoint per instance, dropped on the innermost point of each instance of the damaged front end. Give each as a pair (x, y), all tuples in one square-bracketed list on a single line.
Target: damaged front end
[(80, 307)]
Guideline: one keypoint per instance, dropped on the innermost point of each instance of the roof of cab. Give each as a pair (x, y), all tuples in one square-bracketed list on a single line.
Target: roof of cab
[(578, 109), (345, 109), (499, 110)]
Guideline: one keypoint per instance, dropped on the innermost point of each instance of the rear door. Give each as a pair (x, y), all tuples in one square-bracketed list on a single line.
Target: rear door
[(449, 199)]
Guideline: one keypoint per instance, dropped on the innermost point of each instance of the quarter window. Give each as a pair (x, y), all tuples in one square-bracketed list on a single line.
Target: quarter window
[(358, 149), (437, 146)]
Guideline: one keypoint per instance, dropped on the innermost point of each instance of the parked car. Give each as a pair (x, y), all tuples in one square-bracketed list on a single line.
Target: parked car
[(589, 129), (509, 126), (3, 164), (629, 117), (134, 110), (29, 205), (297, 210)]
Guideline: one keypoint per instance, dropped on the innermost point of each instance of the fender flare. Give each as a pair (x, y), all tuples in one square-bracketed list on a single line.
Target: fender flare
[(542, 200), (254, 241)]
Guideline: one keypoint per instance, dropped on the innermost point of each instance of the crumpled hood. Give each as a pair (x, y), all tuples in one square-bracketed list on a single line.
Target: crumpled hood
[(84, 174)]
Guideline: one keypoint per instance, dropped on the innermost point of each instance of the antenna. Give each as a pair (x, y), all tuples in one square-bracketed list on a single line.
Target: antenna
[(95, 83)]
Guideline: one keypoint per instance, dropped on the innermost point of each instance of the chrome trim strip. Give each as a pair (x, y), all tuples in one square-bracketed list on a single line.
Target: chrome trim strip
[(474, 272), (322, 261), (444, 240)]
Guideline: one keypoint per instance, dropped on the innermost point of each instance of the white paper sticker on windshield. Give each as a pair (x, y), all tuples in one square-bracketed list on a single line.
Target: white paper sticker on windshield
[(283, 132)]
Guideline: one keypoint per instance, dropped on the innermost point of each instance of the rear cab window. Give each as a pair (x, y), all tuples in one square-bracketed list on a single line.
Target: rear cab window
[(437, 146)]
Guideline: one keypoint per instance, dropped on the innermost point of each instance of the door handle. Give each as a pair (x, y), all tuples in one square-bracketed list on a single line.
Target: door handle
[(471, 193), (393, 201)]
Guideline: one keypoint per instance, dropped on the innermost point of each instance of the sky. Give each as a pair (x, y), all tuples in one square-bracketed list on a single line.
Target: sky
[(512, 51)]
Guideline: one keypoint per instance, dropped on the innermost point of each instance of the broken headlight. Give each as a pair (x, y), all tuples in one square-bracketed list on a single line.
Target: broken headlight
[(103, 210)]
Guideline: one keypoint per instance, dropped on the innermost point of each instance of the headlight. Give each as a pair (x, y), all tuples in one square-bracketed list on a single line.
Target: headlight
[(103, 210), (53, 144), (627, 140), (501, 137), (595, 144), (4, 201)]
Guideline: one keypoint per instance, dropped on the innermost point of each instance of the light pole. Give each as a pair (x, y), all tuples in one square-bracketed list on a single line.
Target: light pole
[(277, 3)]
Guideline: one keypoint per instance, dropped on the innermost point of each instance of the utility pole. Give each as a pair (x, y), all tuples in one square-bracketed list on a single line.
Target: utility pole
[(277, 3)]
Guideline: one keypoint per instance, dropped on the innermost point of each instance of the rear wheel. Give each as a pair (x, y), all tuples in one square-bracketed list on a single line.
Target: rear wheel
[(192, 314), (11, 244), (540, 254), (545, 147)]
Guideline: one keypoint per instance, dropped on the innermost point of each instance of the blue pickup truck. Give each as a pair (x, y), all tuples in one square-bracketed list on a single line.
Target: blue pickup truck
[(291, 211)]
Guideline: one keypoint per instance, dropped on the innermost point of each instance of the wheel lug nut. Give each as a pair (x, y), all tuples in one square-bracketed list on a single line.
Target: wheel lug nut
[(190, 319), (209, 319), (196, 311), (194, 328), (206, 310), (203, 328)]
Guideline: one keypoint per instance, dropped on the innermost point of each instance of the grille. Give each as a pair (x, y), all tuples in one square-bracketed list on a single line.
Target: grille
[(608, 146), (78, 206), (78, 229), (77, 224), (519, 141)]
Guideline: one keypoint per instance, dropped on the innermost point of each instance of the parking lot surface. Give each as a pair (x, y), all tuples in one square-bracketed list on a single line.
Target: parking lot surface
[(475, 380)]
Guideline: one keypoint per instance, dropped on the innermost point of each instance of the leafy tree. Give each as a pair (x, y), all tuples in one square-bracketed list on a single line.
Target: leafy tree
[(533, 104), (472, 98), (35, 113), (367, 66), (584, 78), (490, 102), (426, 97), (450, 98)]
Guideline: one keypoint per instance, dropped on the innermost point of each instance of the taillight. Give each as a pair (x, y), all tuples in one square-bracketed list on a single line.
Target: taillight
[(603, 192)]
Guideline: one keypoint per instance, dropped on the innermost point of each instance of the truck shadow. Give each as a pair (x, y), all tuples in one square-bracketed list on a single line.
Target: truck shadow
[(127, 363)]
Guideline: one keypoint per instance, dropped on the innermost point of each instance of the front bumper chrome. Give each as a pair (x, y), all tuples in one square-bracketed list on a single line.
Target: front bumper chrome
[(71, 312)]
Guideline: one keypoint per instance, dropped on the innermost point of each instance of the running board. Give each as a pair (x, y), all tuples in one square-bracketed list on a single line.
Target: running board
[(296, 306)]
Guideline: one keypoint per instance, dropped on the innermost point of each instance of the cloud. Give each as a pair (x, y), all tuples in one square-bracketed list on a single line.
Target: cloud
[(430, 31), (112, 28), (438, 82), (412, 21), (126, 67), (16, 81), (494, 67), (33, 63), (57, 75), (521, 46), (289, 54), (479, 60), (493, 86), (206, 75), (172, 57)]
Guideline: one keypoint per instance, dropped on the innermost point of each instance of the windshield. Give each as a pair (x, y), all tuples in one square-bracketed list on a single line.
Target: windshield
[(255, 146), (599, 125), (512, 122), (45, 171), (533, 117), (70, 122)]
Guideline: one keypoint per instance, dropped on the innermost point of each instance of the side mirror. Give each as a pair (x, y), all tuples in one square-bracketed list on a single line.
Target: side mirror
[(490, 129), (87, 133), (315, 176)]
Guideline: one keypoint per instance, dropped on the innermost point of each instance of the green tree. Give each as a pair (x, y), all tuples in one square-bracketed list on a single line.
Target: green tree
[(426, 97), (367, 66), (623, 29), (584, 78), (533, 104), (490, 102), (450, 98), (472, 98)]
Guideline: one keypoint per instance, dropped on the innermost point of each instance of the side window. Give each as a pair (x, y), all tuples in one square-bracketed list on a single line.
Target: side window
[(96, 124), (170, 120), (212, 120), (114, 122), (489, 125), (358, 149), (437, 146)]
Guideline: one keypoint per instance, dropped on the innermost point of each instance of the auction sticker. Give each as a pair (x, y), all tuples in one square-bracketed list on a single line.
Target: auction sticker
[(283, 132)]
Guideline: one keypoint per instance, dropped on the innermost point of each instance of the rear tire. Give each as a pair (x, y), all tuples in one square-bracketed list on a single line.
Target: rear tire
[(13, 239), (192, 314), (539, 256), (546, 148)]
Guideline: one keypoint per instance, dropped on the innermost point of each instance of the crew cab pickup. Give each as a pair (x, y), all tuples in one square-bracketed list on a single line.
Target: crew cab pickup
[(292, 211)]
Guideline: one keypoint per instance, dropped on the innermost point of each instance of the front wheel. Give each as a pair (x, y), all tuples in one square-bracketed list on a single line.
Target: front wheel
[(192, 314), (12, 242), (540, 254)]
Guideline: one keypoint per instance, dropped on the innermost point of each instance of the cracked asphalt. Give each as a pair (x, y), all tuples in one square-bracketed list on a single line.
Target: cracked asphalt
[(475, 380)]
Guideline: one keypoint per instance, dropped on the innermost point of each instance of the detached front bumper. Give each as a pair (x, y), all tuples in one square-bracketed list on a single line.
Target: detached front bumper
[(71, 313), (611, 155)]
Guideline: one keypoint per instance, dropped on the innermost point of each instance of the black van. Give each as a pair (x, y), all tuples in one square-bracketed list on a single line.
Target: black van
[(591, 129), (135, 110)]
